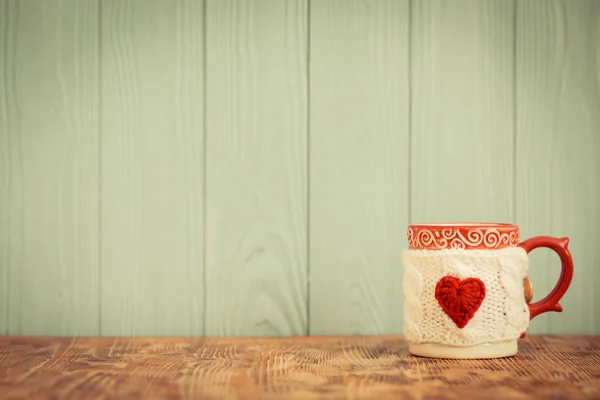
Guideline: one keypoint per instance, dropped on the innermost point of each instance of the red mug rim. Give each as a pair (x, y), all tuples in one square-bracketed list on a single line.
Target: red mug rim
[(464, 224), (462, 235)]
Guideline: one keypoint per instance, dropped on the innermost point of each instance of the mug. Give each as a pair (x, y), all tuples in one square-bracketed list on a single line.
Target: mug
[(466, 290)]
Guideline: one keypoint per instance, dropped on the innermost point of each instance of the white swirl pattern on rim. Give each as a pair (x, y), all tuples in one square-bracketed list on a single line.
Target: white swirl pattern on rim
[(454, 238)]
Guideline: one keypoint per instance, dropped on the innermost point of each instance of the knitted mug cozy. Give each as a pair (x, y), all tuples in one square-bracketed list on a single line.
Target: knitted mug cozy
[(464, 297)]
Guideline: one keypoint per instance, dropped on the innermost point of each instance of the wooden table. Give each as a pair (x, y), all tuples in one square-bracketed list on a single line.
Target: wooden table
[(304, 368)]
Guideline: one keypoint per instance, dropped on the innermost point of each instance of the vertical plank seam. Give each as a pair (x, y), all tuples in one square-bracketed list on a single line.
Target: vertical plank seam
[(308, 163), (20, 147), (204, 163), (100, 190), (410, 100), (4, 50), (515, 110), (594, 28)]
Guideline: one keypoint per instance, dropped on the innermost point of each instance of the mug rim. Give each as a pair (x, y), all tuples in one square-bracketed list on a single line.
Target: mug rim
[(462, 235), (463, 225)]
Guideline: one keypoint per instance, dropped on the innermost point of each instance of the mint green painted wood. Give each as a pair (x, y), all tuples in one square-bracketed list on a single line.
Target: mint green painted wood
[(152, 167), (359, 153), (8, 124), (462, 155), (558, 151), (256, 167), (328, 127), (49, 167)]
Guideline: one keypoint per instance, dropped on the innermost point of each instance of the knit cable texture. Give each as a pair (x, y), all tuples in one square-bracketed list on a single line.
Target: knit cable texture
[(491, 283)]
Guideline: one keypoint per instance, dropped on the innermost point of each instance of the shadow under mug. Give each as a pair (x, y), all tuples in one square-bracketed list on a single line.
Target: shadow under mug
[(466, 290)]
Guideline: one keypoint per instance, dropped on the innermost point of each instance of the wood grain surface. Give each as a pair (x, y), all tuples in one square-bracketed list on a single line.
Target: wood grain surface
[(49, 178), (557, 151), (298, 368), (359, 121), (152, 167), (256, 176), (462, 111)]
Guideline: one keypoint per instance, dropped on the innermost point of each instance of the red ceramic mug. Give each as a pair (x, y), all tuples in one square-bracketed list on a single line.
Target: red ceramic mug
[(466, 291)]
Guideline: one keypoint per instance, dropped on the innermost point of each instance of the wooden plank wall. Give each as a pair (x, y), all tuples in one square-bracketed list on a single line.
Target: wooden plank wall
[(256, 167), (557, 149), (209, 167), (359, 157), (152, 166), (49, 167)]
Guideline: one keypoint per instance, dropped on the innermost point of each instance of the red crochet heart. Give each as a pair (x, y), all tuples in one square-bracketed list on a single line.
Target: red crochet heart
[(460, 299)]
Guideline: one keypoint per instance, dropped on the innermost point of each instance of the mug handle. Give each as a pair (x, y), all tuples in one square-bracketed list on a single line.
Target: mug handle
[(561, 247)]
